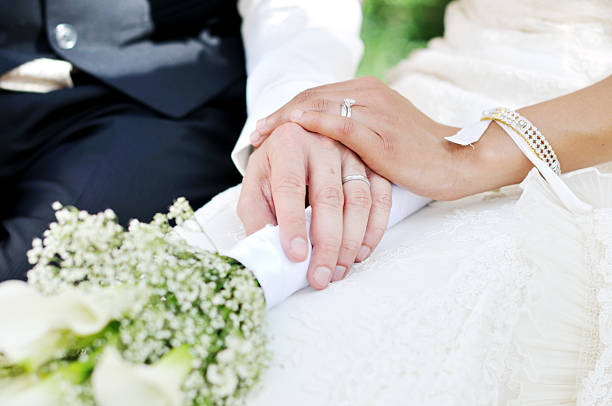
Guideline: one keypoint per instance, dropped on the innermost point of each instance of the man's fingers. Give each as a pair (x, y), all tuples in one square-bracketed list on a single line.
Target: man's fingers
[(378, 216), (349, 132), (255, 206), (326, 198), (357, 203), (287, 160)]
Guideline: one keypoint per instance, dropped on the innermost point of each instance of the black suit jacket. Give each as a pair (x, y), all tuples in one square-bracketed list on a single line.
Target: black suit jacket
[(172, 55)]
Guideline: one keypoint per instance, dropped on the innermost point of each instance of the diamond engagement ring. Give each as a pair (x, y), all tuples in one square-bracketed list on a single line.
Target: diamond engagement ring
[(346, 108), (349, 178)]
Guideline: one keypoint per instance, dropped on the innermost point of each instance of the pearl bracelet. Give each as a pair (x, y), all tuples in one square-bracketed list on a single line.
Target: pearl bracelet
[(529, 132)]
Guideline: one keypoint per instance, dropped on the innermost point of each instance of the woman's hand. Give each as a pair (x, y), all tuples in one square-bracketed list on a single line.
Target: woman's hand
[(388, 132), (399, 142)]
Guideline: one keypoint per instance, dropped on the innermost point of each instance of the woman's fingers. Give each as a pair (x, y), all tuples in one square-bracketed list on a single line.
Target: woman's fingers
[(349, 132), (326, 98), (379, 214), (357, 203), (365, 91), (266, 126)]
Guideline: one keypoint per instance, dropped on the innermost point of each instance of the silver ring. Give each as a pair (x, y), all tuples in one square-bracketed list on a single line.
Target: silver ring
[(346, 108), (349, 178)]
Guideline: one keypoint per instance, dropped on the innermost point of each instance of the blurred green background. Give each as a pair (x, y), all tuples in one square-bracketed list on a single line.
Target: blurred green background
[(394, 28)]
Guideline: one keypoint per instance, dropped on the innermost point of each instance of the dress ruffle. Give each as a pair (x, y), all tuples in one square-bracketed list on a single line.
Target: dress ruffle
[(557, 344)]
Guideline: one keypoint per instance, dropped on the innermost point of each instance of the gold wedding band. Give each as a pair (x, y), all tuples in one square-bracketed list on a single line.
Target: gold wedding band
[(349, 178)]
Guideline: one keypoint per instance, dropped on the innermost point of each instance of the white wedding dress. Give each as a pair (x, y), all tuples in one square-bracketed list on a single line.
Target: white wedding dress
[(500, 298)]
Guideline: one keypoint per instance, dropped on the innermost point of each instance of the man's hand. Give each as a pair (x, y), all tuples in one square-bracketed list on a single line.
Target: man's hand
[(348, 220)]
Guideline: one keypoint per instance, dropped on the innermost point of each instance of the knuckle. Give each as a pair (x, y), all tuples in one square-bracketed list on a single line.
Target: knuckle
[(276, 149), (388, 120), (295, 222), (285, 138), (328, 246), (289, 184), (327, 143), (359, 198), (329, 196), (377, 231), (383, 201), (320, 104), (347, 127), (372, 80), (304, 96), (377, 98), (350, 246), (287, 130), (388, 147)]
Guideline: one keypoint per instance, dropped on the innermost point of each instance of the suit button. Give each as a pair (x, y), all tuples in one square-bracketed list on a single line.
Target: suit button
[(66, 36)]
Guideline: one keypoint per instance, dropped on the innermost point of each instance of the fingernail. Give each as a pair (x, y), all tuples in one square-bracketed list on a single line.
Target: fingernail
[(255, 137), (339, 272), (321, 276), (298, 246), (363, 253), (260, 124), (296, 115)]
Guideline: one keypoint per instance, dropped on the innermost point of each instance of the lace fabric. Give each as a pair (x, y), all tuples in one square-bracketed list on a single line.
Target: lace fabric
[(597, 386), (417, 346)]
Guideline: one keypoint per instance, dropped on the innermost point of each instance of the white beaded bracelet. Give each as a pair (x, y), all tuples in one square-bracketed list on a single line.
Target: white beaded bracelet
[(529, 132)]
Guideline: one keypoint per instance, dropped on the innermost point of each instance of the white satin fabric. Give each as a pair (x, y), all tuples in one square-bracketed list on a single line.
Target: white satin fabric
[(503, 298)]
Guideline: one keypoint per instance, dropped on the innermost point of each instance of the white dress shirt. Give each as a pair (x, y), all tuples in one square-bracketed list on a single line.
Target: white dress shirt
[(291, 45)]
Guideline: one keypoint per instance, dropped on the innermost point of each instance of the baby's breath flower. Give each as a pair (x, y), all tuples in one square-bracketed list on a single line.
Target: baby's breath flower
[(209, 303)]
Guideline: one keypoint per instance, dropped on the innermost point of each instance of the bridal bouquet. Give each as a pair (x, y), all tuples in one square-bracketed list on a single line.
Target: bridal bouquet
[(114, 317)]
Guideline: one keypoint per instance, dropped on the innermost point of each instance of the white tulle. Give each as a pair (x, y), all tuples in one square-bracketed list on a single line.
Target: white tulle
[(504, 298), (557, 343)]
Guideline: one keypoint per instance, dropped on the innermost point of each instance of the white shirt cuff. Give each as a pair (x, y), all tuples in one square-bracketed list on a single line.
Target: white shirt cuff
[(278, 276)]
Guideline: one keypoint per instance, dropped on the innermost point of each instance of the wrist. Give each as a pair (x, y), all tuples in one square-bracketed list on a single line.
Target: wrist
[(489, 164), (450, 165)]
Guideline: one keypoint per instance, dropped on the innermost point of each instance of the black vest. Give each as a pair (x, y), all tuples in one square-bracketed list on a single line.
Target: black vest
[(172, 55)]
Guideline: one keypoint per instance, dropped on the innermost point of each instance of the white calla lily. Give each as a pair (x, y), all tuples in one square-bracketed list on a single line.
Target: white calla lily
[(29, 390), (33, 326), (116, 382)]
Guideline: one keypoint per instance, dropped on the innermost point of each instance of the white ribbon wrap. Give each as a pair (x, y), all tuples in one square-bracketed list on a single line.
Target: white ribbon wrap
[(470, 134)]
